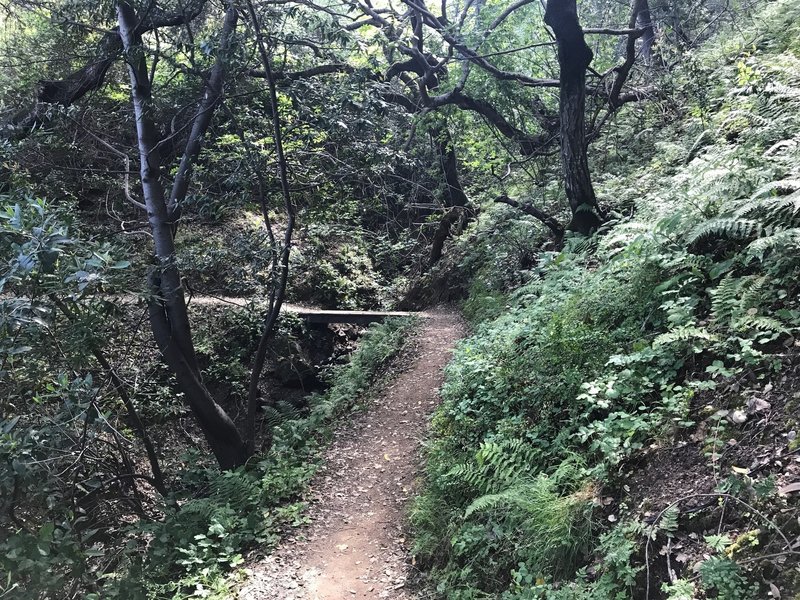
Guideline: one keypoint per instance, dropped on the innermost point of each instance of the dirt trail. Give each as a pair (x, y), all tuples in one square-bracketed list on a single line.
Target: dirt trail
[(355, 546)]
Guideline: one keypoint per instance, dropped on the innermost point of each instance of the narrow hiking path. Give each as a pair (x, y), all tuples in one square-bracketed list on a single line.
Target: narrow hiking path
[(355, 546)]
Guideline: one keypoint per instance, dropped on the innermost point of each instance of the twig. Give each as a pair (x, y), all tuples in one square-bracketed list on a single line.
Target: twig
[(717, 496)]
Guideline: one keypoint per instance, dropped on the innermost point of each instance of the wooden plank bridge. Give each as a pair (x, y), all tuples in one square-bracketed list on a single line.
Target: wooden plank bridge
[(317, 316), (355, 317)]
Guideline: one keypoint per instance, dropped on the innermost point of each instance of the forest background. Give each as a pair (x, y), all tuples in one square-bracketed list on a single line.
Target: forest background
[(610, 188)]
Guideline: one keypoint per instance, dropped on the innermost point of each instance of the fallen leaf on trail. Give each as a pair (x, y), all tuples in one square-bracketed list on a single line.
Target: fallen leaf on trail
[(738, 417), (758, 405)]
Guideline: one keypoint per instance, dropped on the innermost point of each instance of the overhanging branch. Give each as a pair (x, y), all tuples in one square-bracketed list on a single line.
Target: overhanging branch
[(77, 84), (529, 209)]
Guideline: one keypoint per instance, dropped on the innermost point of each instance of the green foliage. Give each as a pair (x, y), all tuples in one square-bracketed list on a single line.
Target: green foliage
[(680, 590), (54, 407), (596, 351), (351, 380), (724, 577), (497, 254), (605, 347), (615, 576), (544, 524), (496, 465), (334, 270), (199, 541), (219, 515), (63, 514), (234, 261), (510, 392)]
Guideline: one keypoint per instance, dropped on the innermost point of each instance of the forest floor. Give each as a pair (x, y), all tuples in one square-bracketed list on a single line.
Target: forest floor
[(356, 545)]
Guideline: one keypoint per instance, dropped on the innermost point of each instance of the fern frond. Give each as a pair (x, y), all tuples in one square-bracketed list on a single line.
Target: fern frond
[(684, 334), (725, 298), (783, 212), (778, 212), (777, 188), (199, 510), (752, 292), (737, 301), (730, 227), (788, 239), (760, 323), (496, 465), (669, 520), (554, 527), (272, 417), (519, 496), (288, 411), (236, 489), (696, 262)]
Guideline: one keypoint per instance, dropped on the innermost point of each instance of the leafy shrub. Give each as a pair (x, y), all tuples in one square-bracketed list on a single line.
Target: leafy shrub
[(510, 392), (63, 452), (333, 269), (218, 515), (232, 258), (606, 346), (724, 577)]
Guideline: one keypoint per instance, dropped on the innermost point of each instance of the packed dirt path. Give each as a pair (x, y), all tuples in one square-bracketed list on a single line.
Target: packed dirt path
[(356, 544)]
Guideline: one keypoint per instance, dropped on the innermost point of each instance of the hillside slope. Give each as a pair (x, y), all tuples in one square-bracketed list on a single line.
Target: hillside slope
[(623, 423)]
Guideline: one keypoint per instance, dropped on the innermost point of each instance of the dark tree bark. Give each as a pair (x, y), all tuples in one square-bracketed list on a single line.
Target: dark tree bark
[(442, 234), (168, 313), (529, 144), (574, 56), (456, 201), (644, 21), (212, 95), (638, 8)]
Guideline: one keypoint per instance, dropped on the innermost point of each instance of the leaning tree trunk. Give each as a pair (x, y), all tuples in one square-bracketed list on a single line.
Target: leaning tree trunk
[(574, 56), (168, 313), (280, 267), (456, 200)]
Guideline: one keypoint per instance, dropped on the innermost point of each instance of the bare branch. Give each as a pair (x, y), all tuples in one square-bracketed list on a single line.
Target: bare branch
[(623, 70), (505, 14), (607, 31), (529, 209), (212, 94)]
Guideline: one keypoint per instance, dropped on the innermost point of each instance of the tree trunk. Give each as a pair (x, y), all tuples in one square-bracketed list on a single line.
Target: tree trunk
[(574, 56), (456, 200), (644, 21), (442, 234), (169, 317), (211, 98), (280, 267)]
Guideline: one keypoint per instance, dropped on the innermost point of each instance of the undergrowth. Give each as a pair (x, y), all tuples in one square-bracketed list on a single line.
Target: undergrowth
[(642, 337), (213, 517)]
